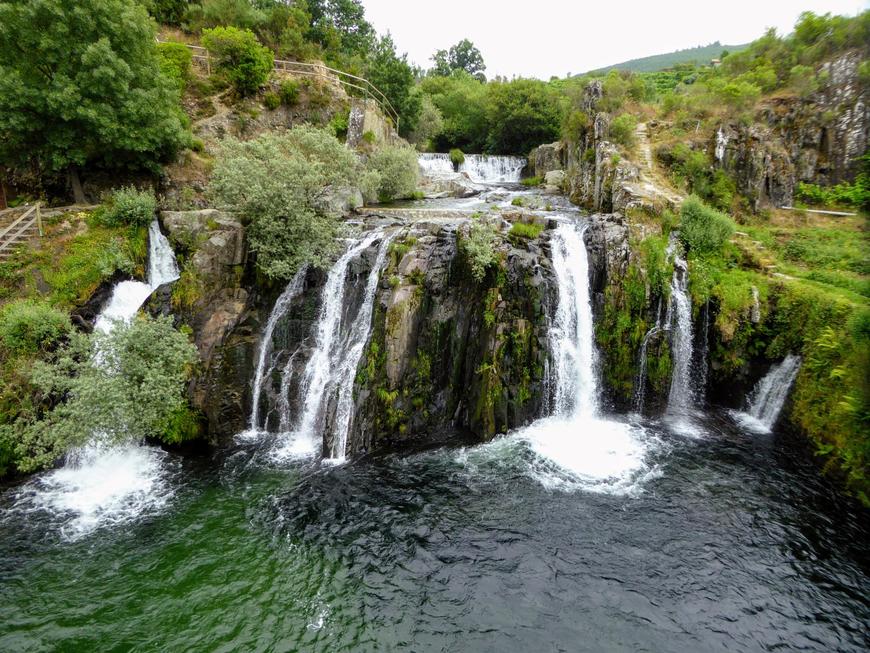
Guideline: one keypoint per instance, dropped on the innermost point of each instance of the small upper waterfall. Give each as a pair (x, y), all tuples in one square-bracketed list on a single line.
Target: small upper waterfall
[(769, 395), (721, 144), (433, 163), (572, 337), (290, 293), (681, 396), (162, 266), (481, 168)]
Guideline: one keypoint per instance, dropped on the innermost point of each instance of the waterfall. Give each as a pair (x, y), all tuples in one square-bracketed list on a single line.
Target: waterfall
[(434, 164), (703, 355), (769, 395), (332, 366), (116, 483), (487, 169), (681, 396), (290, 293), (481, 168), (574, 448), (721, 144), (572, 337)]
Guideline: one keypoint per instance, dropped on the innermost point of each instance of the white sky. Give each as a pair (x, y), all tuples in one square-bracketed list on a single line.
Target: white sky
[(537, 38)]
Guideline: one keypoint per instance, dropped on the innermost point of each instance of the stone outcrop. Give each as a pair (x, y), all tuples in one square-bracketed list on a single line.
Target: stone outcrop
[(547, 158), (816, 139), (447, 352), (457, 184)]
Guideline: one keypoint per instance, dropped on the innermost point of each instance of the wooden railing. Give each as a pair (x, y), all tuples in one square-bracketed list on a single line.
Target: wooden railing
[(358, 84), (13, 233)]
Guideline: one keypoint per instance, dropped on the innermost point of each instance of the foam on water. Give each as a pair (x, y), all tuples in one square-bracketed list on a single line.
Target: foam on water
[(103, 486)]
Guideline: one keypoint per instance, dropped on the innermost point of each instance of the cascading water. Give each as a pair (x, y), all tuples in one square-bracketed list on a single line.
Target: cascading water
[(291, 292), (769, 396), (721, 144), (332, 365), (112, 483), (681, 397), (575, 448), (481, 168), (572, 331)]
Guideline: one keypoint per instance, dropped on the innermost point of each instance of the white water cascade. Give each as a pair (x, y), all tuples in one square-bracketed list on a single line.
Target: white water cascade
[(481, 168), (338, 346), (769, 396), (575, 448), (681, 397), (112, 483), (291, 292), (721, 145)]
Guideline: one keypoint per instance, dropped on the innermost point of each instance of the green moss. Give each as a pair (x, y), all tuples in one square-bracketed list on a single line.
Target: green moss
[(524, 231)]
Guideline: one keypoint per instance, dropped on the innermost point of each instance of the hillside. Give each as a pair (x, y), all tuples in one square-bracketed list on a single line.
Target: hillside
[(656, 62)]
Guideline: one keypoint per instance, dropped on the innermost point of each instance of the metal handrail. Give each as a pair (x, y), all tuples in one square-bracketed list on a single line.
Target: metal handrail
[(317, 70)]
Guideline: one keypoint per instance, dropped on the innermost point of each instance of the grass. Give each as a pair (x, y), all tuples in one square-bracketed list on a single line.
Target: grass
[(524, 231), (76, 255)]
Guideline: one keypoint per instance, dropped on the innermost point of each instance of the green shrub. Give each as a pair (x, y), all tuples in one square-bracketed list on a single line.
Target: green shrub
[(137, 392), (240, 58), (277, 183), (339, 126), (844, 194), (518, 201), (27, 327), (288, 90), (397, 171), (532, 181), (175, 60), (703, 229), (271, 100), (522, 230), (479, 247), (197, 145), (622, 130), (129, 205), (457, 157), (369, 137)]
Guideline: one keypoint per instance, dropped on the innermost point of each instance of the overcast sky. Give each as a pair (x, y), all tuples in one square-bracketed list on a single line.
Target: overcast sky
[(539, 38)]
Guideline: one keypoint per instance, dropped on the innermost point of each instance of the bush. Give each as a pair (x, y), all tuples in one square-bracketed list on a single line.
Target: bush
[(280, 185), (622, 130), (288, 91), (240, 58), (457, 157), (131, 206), (532, 181), (271, 100), (27, 327), (479, 248), (138, 391), (397, 171), (175, 60), (703, 229)]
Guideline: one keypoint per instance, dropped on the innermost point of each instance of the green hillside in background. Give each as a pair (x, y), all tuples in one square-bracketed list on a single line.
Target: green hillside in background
[(656, 62)]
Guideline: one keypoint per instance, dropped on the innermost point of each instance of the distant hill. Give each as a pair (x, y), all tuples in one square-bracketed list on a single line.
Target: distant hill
[(700, 54)]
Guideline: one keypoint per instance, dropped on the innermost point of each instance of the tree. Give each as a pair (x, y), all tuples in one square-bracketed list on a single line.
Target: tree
[(397, 172), (136, 390), (80, 85), (341, 24), (522, 114), (240, 58), (393, 76), (462, 101), (429, 124), (462, 56), (280, 185)]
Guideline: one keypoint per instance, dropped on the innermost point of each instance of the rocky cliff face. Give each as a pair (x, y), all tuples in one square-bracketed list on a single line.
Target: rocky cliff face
[(816, 139), (447, 352)]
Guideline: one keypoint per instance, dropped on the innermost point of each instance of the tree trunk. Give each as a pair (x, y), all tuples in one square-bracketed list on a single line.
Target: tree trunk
[(75, 182)]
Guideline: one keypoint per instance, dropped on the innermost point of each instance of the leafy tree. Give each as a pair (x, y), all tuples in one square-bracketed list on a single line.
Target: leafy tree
[(397, 172), (225, 13), (167, 12), (462, 56), (27, 327), (622, 130), (393, 76), (430, 123), (522, 114), (462, 101), (175, 60), (240, 58), (341, 24), (81, 85), (280, 185), (135, 390)]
